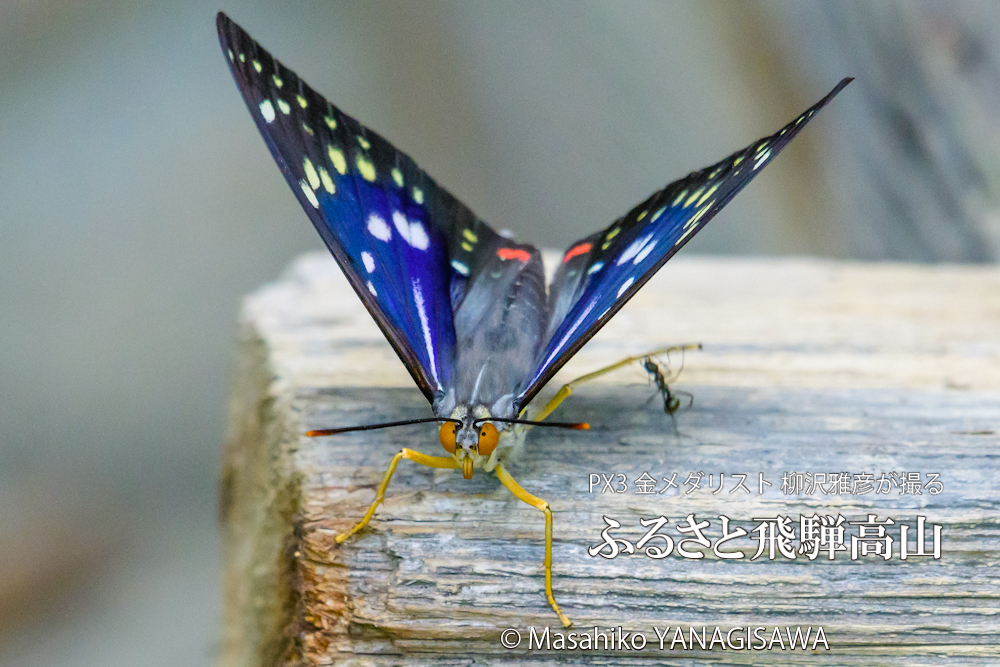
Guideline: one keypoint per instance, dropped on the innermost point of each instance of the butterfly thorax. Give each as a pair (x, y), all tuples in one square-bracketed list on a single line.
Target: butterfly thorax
[(500, 319)]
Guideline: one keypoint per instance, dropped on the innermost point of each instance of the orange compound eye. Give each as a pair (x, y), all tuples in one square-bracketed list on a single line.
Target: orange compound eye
[(447, 435), (488, 439)]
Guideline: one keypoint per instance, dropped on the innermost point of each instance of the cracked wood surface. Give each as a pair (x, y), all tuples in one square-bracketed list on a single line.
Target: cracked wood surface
[(808, 366)]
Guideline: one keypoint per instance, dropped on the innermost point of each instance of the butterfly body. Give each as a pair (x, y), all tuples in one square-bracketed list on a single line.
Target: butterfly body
[(467, 310)]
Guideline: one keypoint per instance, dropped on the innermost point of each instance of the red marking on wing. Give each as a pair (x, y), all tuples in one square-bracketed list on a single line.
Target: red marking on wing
[(577, 250), (513, 253)]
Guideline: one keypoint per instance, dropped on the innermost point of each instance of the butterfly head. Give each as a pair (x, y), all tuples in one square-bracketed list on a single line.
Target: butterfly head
[(474, 440)]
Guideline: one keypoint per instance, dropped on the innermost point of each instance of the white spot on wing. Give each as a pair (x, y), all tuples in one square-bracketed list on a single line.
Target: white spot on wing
[(310, 195), (761, 159), (371, 288), (461, 268), (378, 228), (595, 267), (267, 111), (418, 236), (368, 260), (625, 286), (572, 329), (646, 249), (402, 225), (633, 249), (418, 299), (412, 232)]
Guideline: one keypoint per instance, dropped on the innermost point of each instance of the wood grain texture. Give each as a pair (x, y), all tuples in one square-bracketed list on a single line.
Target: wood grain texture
[(808, 366)]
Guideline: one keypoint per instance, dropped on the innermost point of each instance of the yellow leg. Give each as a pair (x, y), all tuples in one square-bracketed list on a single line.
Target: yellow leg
[(416, 457), (542, 506), (567, 388)]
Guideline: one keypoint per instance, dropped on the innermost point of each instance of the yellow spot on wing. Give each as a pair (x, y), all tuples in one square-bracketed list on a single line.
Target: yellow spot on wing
[(311, 174), (418, 195), (243, 58), (308, 129), (397, 176), (466, 247), (327, 181), (364, 142), (684, 235), (761, 147), (693, 197), (302, 101), (708, 194), (737, 161), (283, 105), (231, 56), (470, 236), (693, 221), (256, 65), (277, 80), (678, 198), (330, 122), (641, 216), (337, 159), (610, 235), (365, 167)]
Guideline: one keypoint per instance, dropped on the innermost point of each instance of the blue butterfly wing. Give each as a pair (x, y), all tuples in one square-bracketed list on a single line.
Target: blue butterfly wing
[(601, 272), (388, 225)]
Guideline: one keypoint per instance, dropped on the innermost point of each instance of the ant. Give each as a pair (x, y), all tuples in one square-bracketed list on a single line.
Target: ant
[(672, 401)]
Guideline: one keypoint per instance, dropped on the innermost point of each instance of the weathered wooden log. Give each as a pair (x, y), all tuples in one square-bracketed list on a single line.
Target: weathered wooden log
[(808, 367)]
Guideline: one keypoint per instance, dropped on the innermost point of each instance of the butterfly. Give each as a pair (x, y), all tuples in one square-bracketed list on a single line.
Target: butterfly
[(467, 310)]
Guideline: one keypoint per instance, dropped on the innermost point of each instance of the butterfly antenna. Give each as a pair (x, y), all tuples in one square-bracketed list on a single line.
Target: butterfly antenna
[(575, 426), (372, 427)]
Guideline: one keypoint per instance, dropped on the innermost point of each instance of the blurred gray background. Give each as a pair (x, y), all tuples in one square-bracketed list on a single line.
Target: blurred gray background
[(138, 204)]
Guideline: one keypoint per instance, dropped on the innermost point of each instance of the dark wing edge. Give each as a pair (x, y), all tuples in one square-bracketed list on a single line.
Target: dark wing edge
[(591, 268)]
